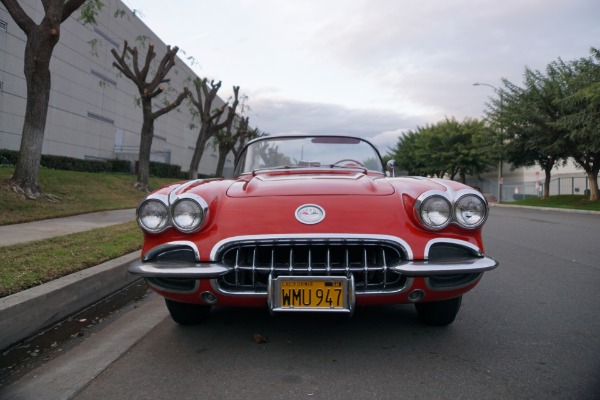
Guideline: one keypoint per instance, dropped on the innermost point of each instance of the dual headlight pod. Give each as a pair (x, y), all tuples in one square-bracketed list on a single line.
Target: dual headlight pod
[(187, 213), (436, 210)]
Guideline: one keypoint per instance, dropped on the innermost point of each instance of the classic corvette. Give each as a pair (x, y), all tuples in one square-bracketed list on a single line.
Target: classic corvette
[(313, 224)]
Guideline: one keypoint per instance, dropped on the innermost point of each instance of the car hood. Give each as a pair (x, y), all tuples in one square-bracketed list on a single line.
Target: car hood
[(311, 184)]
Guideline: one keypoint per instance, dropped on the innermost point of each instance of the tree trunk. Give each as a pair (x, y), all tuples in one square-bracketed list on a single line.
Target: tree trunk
[(223, 151), (547, 178), (198, 152), (593, 178), (147, 134), (38, 51)]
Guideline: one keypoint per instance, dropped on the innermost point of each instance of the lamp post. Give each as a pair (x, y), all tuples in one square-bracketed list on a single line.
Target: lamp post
[(500, 176)]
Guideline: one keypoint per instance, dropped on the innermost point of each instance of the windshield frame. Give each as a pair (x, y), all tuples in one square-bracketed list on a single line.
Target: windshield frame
[(321, 139)]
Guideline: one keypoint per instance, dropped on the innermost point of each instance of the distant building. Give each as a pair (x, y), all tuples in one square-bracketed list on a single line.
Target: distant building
[(526, 182), (92, 112)]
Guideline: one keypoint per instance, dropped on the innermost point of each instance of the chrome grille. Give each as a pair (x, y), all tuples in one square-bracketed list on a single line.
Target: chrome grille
[(252, 262)]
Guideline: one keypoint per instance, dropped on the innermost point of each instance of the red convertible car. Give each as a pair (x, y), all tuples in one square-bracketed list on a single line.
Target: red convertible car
[(313, 224)]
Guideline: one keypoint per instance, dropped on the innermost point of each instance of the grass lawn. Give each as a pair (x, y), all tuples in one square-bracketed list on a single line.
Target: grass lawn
[(73, 193), (30, 264)]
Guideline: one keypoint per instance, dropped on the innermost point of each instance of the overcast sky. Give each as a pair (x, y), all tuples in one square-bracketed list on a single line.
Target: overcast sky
[(373, 68)]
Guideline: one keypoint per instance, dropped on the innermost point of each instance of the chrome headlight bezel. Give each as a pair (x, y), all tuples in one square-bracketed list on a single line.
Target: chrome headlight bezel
[(460, 209), (431, 210), (195, 202), (161, 211), (166, 207), (454, 200)]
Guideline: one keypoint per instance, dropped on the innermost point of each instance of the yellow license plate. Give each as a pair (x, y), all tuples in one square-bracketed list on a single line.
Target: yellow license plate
[(310, 293)]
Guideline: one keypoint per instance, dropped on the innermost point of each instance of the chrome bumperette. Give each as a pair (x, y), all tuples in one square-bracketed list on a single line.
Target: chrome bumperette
[(425, 268), (177, 259), (161, 269)]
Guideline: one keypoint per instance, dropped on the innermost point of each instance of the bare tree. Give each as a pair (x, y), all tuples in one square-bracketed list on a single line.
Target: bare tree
[(226, 139), (209, 118), (148, 90), (41, 40), (248, 136)]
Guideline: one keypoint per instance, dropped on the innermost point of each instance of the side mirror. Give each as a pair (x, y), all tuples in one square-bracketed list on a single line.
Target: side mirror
[(390, 168)]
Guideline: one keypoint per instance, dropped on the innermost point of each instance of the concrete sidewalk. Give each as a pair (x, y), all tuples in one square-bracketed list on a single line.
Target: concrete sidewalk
[(26, 313), (38, 230)]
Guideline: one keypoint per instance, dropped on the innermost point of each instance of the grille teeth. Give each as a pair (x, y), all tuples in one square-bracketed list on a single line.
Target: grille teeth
[(369, 261)]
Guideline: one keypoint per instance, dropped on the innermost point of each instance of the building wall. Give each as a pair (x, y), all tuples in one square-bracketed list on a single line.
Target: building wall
[(92, 111), (519, 182)]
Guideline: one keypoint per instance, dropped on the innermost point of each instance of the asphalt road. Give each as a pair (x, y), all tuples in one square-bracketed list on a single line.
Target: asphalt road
[(529, 330)]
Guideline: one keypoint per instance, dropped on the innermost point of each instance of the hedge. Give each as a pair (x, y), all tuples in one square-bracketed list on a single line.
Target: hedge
[(161, 170)]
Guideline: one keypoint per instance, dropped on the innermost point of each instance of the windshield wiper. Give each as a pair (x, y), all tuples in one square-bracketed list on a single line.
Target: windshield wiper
[(332, 166)]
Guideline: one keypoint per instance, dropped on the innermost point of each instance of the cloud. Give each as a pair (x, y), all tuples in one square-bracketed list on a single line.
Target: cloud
[(382, 127), (368, 67)]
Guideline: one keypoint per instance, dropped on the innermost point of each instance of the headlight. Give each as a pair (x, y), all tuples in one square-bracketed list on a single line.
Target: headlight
[(187, 215), (435, 212), (153, 216), (470, 211)]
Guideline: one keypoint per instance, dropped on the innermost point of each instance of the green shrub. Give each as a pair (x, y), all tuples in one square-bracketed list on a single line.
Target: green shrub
[(157, 169), (10, 157)]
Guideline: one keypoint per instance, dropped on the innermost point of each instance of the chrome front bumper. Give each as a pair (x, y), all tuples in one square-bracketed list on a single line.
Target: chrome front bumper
[(206, 270)]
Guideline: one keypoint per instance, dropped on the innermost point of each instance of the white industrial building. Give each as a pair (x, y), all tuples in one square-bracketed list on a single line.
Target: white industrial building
[(93, 112)]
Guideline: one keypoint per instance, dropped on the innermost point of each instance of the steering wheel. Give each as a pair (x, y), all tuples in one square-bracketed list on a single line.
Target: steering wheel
[(349, 162)]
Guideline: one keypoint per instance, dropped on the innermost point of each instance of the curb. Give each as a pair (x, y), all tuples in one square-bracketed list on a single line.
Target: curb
[(66, 376), (28, 312), (565, 210)]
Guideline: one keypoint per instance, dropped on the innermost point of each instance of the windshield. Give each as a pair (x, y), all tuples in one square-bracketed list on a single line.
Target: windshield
[(305, 152)]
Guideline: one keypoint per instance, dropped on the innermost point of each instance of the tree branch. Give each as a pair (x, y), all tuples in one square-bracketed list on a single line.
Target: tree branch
[(122, 65), (19, 16), (171, 106), (167, 62), (69, 7), (150, 55)]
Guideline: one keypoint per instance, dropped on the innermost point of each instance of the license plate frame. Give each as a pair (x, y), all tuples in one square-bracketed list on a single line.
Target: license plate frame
[(311, 294)]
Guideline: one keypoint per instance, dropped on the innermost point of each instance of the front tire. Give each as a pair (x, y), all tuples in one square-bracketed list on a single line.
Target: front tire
[(186, 313), (439, 313)]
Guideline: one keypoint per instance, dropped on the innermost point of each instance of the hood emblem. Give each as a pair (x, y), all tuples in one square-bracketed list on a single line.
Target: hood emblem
[(310, 214)]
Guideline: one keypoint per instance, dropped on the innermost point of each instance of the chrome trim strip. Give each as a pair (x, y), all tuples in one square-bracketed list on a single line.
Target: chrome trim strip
[(217, 247), (451, 241), (424, 268), (172, 196)]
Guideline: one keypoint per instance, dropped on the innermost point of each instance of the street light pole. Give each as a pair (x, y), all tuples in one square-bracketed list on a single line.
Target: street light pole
[(500, 175)]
